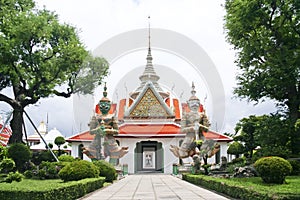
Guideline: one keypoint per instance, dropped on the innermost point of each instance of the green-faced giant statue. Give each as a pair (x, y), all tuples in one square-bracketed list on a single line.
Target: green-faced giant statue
[(104, 126)]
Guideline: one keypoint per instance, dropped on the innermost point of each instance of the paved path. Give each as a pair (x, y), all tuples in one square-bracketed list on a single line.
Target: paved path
[(152, 186)]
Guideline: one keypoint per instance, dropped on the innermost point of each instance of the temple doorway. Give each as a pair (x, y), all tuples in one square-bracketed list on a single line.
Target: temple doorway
[(148, 157)]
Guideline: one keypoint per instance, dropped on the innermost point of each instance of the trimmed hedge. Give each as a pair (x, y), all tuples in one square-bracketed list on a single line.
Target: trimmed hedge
[(107, 170), (77, 170), (235, 190), (66, 191), (232, 191)]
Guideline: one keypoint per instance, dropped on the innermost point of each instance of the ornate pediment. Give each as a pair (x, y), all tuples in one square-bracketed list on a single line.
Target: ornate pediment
[(149, 104)]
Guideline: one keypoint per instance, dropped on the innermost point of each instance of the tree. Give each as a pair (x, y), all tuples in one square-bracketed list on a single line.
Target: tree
[(236, 149), (266, 35), (273, 135), (20, 153), (39, 57), (246, 128), (59, 140)]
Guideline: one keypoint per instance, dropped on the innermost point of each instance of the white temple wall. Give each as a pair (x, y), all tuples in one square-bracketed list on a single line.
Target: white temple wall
[(168, 158), (223, 149)]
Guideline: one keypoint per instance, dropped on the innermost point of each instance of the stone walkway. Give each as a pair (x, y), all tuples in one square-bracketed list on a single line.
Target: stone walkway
[(152, 186)]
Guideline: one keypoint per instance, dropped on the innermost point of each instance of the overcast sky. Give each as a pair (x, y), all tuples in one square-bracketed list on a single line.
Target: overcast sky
[(100, 20)]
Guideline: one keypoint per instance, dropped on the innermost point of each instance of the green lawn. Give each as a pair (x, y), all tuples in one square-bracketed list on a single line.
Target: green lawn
[(37, 185), (292, 185), (289, 190), (54, 189)]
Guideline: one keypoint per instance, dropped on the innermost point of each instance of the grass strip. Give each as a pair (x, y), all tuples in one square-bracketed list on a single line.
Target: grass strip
[(248, 188)]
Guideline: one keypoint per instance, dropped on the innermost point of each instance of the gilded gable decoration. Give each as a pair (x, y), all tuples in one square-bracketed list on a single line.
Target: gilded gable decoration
[(149, 103), (149, 106)]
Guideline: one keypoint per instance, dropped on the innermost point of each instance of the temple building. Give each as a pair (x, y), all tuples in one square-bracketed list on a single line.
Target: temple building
[(35, 139), (149, 122), (49, 138)]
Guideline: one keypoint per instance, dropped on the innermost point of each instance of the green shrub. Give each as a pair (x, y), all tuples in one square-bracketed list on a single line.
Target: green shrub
[(13, 176), (107, 170), (28, 173), (238, 160), (66, 158), (7, 165), (51, 169), (296, 167), (78, 170), (231, 167), (38, 157), (41, 174), (236, 149), (20, 153), (3, 152), (46, 170), (273, 169)]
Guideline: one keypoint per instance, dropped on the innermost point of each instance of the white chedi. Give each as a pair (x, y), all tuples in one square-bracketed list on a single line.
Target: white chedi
[(49, 138)]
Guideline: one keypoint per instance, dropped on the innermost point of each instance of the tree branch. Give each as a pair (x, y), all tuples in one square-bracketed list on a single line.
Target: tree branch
[(8, 100), (274, 7), (63, 94), (29, 101), (19, 75)]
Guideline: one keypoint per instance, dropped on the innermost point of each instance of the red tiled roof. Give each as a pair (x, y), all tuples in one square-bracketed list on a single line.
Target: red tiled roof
[(150, 130), (211, 135), (130, 101), (176, 107), (121, 109), (84, 136), (167, 101), (4, 135)]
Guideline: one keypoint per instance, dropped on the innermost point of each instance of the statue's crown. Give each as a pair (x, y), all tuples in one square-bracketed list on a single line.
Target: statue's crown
[(104, 98), (193, 92)]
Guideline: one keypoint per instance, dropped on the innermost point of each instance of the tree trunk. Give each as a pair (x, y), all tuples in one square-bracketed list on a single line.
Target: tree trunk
[(16, 125), (295, 133), (294, 114), (205, 157)]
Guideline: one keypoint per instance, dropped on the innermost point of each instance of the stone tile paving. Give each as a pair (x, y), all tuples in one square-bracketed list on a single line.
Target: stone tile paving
[(152, 186)]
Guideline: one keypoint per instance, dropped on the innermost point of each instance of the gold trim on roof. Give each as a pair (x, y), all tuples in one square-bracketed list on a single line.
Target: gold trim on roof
[(149, 106)]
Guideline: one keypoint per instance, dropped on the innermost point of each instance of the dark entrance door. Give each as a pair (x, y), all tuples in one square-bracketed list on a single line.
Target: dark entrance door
[(148, 157)]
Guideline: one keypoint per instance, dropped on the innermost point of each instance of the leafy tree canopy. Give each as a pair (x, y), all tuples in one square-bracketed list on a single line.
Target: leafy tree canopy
[(236, 148), (274, 136), (59, 140), (271, 133), (245, 130), (266, 36), (40, 57)]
